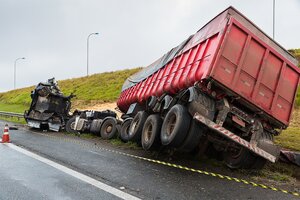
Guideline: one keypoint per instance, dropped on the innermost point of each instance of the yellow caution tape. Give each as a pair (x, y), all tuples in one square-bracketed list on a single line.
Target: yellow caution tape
[(177, 166)]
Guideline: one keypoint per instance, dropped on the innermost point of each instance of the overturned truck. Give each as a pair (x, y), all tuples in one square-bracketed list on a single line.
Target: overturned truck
[(49, 108), (229, 88)]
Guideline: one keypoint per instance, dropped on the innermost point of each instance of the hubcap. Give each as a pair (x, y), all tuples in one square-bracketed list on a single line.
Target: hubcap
[(134, 125), (72, 126), (109, 128), (171, 124), (148, 133)]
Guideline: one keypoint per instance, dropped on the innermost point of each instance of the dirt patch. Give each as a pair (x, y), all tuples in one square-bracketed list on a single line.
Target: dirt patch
[(94, 105), (102, 106)]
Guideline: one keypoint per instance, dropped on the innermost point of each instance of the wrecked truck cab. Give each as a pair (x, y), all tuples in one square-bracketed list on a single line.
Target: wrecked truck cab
[(49, 109)]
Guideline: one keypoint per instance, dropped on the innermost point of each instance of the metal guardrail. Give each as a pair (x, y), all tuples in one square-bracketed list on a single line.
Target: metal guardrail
[(11, 114)]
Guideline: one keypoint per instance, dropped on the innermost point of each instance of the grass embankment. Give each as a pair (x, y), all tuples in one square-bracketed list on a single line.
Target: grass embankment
[(97, 88), (18, 108)]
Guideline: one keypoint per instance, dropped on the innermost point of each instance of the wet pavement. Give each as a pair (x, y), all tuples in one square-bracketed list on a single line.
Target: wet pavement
[(136, 177)]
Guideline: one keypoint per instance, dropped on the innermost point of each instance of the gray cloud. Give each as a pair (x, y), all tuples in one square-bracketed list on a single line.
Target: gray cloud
[(51, 34)]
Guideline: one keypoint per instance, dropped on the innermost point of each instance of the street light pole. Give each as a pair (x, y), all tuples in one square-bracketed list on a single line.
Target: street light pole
[(87, 52), (15, 71), (273, 19)]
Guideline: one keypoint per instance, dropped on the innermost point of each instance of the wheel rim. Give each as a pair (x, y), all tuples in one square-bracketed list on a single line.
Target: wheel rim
[(134, 125), (149, 130), (171, 124), (235, 153), (72, 125), (109, 128)]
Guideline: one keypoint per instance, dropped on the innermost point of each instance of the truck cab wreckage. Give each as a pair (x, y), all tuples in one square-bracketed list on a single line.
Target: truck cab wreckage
[(49, 108)]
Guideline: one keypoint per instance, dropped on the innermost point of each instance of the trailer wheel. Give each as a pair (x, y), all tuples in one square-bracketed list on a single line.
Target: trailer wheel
[(108, 128), (241, 158), (136, 126), (70, 125), (125, 130), (175, 126), (151, 132), (193, 138), (244, 158)]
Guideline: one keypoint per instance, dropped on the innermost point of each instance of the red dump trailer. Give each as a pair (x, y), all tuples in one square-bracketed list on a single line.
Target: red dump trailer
[(229, 87)]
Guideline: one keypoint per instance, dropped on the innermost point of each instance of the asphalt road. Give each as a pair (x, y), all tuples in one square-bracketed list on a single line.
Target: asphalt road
[(23, 177), (137, 177)]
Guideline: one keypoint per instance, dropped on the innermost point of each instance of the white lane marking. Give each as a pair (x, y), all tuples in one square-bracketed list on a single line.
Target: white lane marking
[(75, 174)]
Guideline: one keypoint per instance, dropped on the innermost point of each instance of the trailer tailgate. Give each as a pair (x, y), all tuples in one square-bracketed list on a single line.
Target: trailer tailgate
[(256, 68)]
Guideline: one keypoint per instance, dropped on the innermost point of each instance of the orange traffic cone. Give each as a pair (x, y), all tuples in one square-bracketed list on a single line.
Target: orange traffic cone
[(5, 137)]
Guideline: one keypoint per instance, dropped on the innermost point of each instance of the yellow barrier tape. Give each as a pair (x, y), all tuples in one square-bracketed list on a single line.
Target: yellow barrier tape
[(176, 166)]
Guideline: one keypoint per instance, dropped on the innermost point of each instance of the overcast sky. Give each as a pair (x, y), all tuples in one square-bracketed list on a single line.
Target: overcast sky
[(52, 34)]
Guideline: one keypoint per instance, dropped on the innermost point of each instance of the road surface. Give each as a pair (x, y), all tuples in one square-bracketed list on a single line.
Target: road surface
[(25, 177)]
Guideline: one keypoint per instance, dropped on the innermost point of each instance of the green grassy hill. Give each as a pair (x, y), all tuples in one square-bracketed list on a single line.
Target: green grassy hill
[(104, 87)]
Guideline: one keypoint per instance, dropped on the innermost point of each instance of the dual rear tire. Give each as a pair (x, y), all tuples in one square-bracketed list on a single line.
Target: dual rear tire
[(174, 131), (175, 126), (177, 130), (136, 126), (151, 132)]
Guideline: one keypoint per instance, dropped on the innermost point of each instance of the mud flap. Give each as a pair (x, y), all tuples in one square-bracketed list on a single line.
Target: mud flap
[(269, 147)]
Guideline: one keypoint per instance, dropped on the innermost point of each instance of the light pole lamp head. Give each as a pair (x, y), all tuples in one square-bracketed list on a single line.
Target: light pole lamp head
[(96, 33), (23, 58)]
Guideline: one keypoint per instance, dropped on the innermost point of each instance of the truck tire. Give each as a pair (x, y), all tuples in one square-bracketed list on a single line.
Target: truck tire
[(136, 126), (239, 159), (118, 129), (245, 158), (125, 129), (151, 132), (175, 126), (193, 138), (108, 128), (70, 125)]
